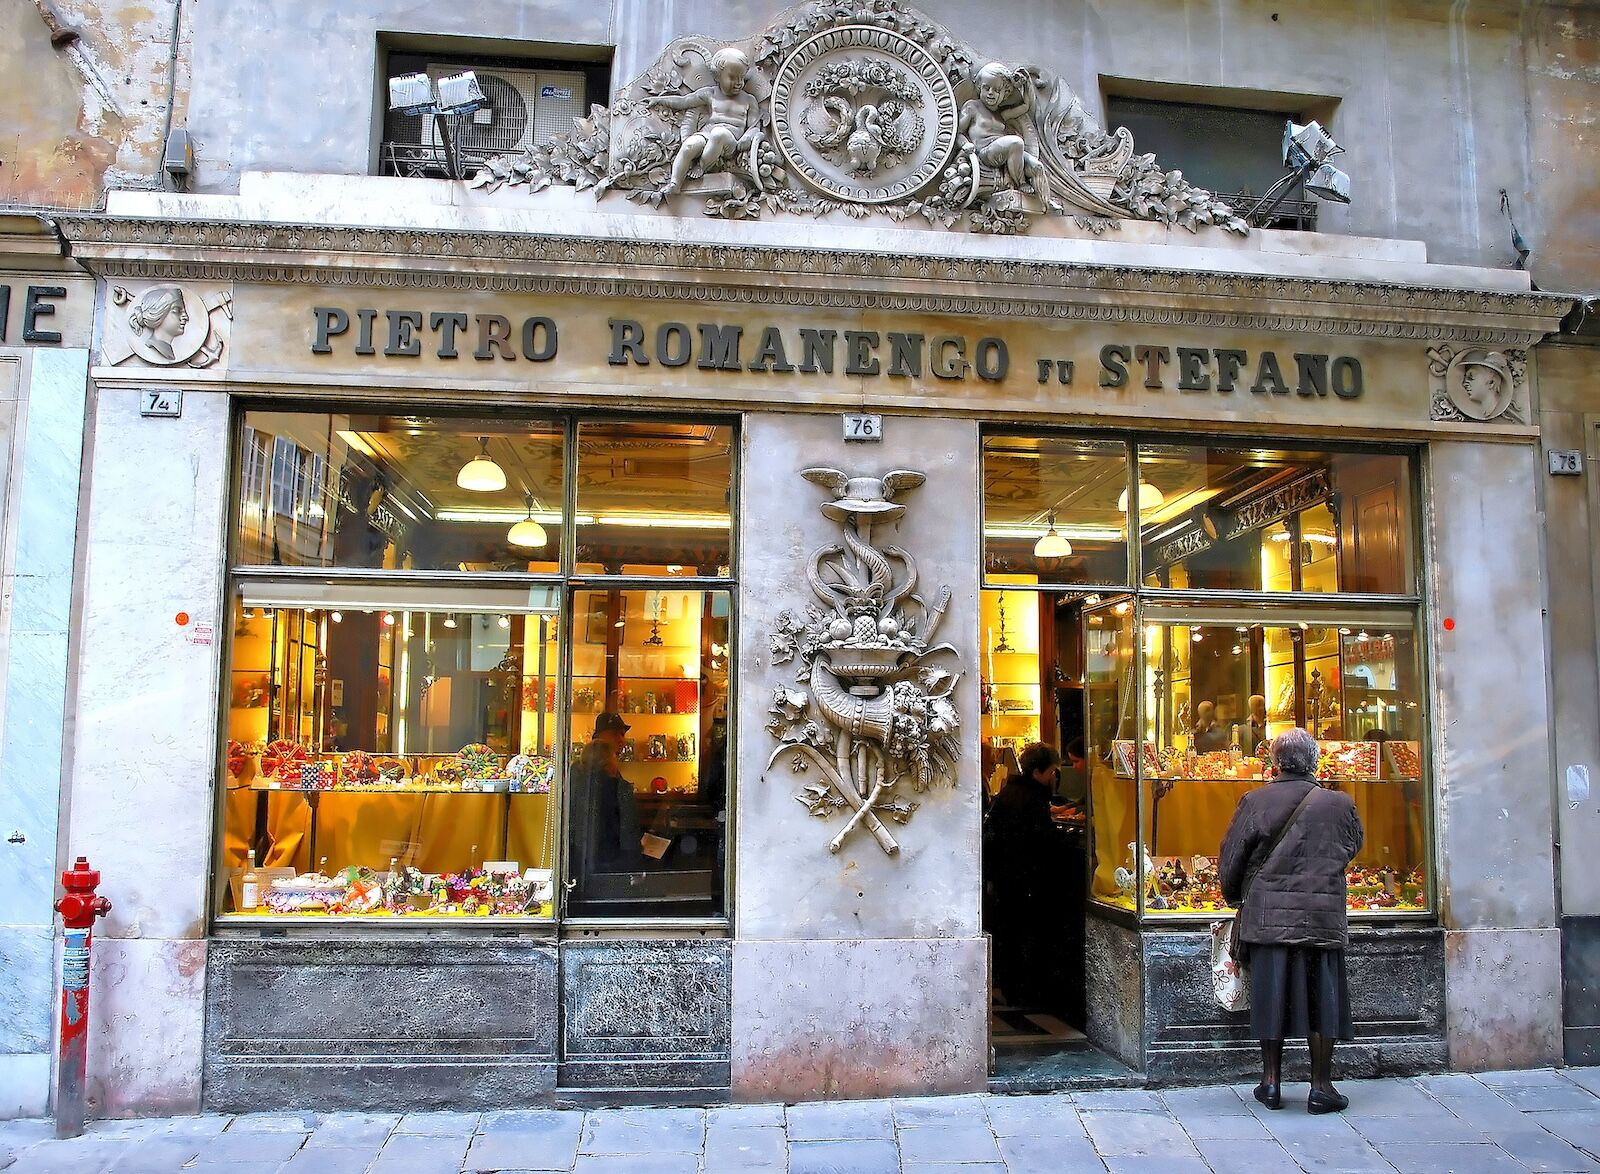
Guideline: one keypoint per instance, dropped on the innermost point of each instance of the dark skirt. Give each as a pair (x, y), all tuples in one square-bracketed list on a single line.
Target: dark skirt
[(1296, 991)]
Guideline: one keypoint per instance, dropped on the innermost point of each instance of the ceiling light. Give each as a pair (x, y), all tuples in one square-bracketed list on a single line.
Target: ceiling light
[(1149, 497), (336, 616), (1052, 545), (481, 474), (527, 532), (504, 621), (1197, 637), (388, 619), (449, 621)]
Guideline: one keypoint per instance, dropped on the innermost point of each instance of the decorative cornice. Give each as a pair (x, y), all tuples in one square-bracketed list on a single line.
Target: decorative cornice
[(307, 254)]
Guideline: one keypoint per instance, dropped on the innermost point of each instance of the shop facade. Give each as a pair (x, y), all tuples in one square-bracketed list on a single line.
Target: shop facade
[(399, 509)]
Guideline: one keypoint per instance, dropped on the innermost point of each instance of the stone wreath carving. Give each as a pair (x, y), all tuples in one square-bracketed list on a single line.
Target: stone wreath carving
[(860, 106), (1477, 385), (869, 709)]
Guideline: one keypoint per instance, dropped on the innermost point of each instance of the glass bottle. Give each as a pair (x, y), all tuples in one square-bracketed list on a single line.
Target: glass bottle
[(250, 885), (1235, 751)]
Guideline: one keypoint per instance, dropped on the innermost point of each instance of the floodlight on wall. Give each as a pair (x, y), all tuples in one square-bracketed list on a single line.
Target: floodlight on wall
[(1306, 148), (455, 97)]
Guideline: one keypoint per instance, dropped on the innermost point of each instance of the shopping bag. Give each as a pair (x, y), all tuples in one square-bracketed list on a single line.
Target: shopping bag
[(1230, 981)]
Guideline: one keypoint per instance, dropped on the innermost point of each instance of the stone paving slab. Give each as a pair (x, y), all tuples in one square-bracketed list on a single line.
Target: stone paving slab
[(1500, 1121)]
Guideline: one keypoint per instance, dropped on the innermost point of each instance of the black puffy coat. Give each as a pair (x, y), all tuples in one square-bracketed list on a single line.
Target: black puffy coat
[(1300, 900)]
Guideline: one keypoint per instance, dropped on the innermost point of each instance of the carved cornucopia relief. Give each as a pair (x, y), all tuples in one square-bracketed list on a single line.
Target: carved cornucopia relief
[(860, 106), (871, 715)]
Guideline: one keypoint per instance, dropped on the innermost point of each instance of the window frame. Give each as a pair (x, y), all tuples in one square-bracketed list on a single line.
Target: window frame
[(299, 584)]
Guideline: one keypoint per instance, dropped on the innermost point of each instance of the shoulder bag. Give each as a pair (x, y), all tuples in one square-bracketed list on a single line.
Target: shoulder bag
[(1230, 967)]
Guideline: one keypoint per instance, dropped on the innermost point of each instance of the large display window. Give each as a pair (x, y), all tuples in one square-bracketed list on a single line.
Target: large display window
[(442, 705), (1275, 591)]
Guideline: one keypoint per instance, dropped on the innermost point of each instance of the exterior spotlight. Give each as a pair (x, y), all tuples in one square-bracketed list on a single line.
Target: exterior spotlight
[(1052, 545), (457, 96), (1307, 150), (481, 474)]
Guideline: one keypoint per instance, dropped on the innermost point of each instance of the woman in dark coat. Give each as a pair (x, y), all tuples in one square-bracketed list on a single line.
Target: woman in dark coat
[(1292, 914)]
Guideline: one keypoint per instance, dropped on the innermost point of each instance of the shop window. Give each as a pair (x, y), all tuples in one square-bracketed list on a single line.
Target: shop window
[(1055, 510), (421, 706), (648, 781), (1261, 607), (395, 492), (1256, 519), (528, 102), (654, 498)]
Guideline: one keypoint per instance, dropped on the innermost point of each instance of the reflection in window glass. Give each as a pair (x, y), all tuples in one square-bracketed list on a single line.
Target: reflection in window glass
[(386, 761), (1252, 519), (397, 492), (1216, 693), (1055, 509), (648, 781), (654, 498)]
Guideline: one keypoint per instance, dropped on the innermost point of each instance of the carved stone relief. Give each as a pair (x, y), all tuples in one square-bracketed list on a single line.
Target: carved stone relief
[(167, 326), (860, 106), (1477, 385), (870, 711)]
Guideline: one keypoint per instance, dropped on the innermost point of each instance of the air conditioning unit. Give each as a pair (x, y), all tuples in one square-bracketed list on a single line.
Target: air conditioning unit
[(525, 106)]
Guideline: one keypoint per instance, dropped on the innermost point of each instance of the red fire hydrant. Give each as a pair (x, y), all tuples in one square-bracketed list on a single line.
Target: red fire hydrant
[(78, 906)]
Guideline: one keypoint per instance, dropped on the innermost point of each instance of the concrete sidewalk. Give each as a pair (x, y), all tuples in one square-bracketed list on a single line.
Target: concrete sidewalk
[(1542, 1120)]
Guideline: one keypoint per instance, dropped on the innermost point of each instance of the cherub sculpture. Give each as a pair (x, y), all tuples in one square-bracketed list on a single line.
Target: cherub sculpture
[(996, 124), (731, 119)]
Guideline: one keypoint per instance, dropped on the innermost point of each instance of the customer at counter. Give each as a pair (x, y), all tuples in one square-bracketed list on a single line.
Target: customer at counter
[(1022, 865), (1073, 784)]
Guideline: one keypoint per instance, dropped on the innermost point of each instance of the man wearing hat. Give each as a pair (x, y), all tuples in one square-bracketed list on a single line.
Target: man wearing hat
[(607, 813)]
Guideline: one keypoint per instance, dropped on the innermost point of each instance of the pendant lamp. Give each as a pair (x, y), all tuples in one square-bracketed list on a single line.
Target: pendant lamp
[(527, 532), (481, 474), (1052, 545), (1149, 497)]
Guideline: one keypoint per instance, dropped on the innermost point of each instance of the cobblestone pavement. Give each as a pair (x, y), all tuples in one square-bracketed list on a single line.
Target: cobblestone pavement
[(1542, 1120)]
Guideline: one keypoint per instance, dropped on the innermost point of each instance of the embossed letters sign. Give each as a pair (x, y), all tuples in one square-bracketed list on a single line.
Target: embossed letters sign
[(402, 334)]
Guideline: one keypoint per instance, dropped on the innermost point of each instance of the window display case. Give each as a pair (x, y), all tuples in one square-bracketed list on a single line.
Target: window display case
[(1211, 694)]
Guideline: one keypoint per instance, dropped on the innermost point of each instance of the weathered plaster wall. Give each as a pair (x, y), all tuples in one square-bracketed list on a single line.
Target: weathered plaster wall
[(273, 93), (834, 958), (88, 115), (1563, 50), (144, 744), (1495, 817)]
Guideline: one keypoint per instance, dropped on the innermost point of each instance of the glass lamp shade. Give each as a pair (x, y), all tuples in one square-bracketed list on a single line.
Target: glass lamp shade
[(1052, 545), (527, 533), (481, 474), (1149, 497)]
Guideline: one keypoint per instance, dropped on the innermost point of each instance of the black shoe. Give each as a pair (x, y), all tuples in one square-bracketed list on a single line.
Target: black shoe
[(1271, 1095), (1326, 1102)]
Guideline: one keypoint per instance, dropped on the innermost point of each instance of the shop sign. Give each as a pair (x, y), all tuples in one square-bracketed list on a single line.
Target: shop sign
[(828, 351), (35, 309)]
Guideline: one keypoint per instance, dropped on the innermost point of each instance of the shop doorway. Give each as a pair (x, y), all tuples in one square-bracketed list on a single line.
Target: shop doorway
[(1037, 681)]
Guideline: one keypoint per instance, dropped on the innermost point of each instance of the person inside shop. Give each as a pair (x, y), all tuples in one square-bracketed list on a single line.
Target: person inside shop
[(606, 807), (1021, 867), (1255, 726), (1282, 866), (1208, 734), (1073, 786)]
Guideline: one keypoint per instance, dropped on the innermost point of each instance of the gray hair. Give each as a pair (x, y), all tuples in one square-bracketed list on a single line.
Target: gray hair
[(1294, 752)]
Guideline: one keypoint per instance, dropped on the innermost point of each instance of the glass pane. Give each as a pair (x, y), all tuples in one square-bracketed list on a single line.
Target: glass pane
[(654, 498), (1248, 519), (399, 492), (1216, 693), (1055, 509), (1109, 699), (649, 775), (1011, 692), (389, 761)]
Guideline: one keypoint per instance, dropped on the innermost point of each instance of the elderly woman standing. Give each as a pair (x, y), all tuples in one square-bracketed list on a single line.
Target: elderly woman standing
[(1283, 867)]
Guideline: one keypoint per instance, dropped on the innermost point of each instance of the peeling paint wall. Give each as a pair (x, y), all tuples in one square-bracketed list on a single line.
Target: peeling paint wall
[(89, 114)]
